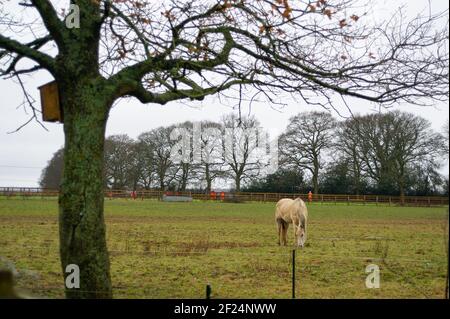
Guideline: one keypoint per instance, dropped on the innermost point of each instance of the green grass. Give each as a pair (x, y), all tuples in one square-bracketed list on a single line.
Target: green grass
[(172, 250)]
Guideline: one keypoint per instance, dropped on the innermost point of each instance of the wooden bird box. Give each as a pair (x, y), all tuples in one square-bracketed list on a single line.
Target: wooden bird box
[(51, 108)]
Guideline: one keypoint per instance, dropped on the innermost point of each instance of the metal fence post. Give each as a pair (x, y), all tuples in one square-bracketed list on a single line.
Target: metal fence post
[(293, 274), (208, 291)]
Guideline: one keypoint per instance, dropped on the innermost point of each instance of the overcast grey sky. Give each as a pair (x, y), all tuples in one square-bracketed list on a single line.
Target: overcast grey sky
[(25, 153)]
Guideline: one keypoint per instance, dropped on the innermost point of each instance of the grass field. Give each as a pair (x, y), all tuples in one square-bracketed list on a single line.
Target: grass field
[(172, 250)]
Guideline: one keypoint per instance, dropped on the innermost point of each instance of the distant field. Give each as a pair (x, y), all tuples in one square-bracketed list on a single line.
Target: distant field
[(172, 250)]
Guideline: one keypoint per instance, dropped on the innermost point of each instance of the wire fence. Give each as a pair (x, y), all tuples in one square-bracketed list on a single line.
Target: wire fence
[(235, 251), (291, 269), (385, 200)]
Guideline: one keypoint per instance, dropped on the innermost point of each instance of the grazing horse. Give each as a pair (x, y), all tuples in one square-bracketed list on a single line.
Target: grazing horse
[(291, 211)]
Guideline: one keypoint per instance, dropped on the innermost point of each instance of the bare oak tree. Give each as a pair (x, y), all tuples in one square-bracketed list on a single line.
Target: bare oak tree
[(159, 143), (307, 137), (119, 161), (162, 51), (349, 148), (211, 166), (390, 144), (240, 147)]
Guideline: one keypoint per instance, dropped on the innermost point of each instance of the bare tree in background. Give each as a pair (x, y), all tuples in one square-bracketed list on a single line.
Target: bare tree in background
[(390, 144), (146, 162), (142, 172), (123, 167), (211, 164), (445, 134), (186, 169), (52, 174), (240, 146), (160, 144), (163, 51), (307, 137), (119, 161), (349, 146)]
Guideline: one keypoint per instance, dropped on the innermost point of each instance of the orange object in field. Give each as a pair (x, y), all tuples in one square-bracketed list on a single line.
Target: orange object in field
[(310, 195), (222, 195), (212, 195)]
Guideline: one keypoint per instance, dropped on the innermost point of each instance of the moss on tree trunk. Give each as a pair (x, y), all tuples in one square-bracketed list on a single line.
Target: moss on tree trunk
[(81, 221)]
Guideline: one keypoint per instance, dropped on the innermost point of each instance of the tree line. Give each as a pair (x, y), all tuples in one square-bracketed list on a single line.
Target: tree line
[(395, 153)]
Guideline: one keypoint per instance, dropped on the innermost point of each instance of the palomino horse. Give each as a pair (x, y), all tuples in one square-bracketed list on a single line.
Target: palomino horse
[(291, 211)]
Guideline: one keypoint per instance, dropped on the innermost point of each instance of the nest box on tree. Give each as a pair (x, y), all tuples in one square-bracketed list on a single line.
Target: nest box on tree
[(51, 108)]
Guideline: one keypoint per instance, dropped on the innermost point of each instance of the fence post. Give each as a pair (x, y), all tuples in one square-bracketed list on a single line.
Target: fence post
[(293, 274), (208, 291), (7, 285)]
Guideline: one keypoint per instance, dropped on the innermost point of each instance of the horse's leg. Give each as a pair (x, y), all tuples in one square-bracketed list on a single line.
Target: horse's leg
[(279, 231), (285, 230), (295, 235), (306, 233)]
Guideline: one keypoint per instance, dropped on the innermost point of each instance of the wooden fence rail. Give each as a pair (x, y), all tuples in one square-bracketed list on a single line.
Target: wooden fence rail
[(25, 192)]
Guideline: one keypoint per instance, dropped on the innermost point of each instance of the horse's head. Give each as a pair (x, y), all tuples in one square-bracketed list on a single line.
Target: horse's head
[(300, 233)]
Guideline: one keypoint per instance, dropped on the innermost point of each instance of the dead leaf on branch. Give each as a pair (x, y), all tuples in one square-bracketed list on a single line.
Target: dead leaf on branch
[(168, 15), (343, 23), (328, 13), (262, 29), (354, 17), (347, 39), (287, 13)]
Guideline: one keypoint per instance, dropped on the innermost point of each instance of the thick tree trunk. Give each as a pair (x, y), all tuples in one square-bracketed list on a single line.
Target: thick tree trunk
[(401, 185), (208, 178), (238, 183), (315, 175), (184, 176), (315, 181), (81, 221), (402, 192), (356, 177), (162, 185)]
